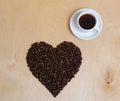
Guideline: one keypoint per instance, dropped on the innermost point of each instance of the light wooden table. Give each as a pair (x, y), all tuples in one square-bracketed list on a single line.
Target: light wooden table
[(23, 22)]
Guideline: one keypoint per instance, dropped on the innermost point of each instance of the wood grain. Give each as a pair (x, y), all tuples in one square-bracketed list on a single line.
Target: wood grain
[(23, 22)]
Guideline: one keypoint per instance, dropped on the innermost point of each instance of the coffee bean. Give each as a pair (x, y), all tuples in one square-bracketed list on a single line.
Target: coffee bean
[(54, 67)]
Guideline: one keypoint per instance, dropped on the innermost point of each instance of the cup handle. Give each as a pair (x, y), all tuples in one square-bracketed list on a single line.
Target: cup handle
[(96, 29)]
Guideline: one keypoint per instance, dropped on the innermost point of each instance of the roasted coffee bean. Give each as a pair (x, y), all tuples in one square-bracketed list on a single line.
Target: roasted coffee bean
[(54, 67)]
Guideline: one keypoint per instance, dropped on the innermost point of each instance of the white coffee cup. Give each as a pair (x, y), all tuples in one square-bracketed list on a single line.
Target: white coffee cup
[(88, 31)]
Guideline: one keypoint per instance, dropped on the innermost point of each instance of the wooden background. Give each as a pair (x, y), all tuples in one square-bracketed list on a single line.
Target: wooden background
[(23, 22)]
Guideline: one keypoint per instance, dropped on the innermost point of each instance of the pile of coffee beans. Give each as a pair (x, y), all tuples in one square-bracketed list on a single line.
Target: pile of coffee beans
[(54, 67)]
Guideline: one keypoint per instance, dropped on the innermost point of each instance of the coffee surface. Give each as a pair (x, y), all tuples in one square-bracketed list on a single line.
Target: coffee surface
[(87, 21)]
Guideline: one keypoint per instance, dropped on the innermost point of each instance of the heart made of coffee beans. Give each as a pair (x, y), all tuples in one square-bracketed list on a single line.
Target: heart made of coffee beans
[(54, 67)]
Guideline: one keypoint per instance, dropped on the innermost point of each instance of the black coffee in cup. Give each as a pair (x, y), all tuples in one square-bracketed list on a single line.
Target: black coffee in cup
[(87, 21)]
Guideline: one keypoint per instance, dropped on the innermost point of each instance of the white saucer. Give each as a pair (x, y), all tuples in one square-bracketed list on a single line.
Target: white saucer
[(83, 33)]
